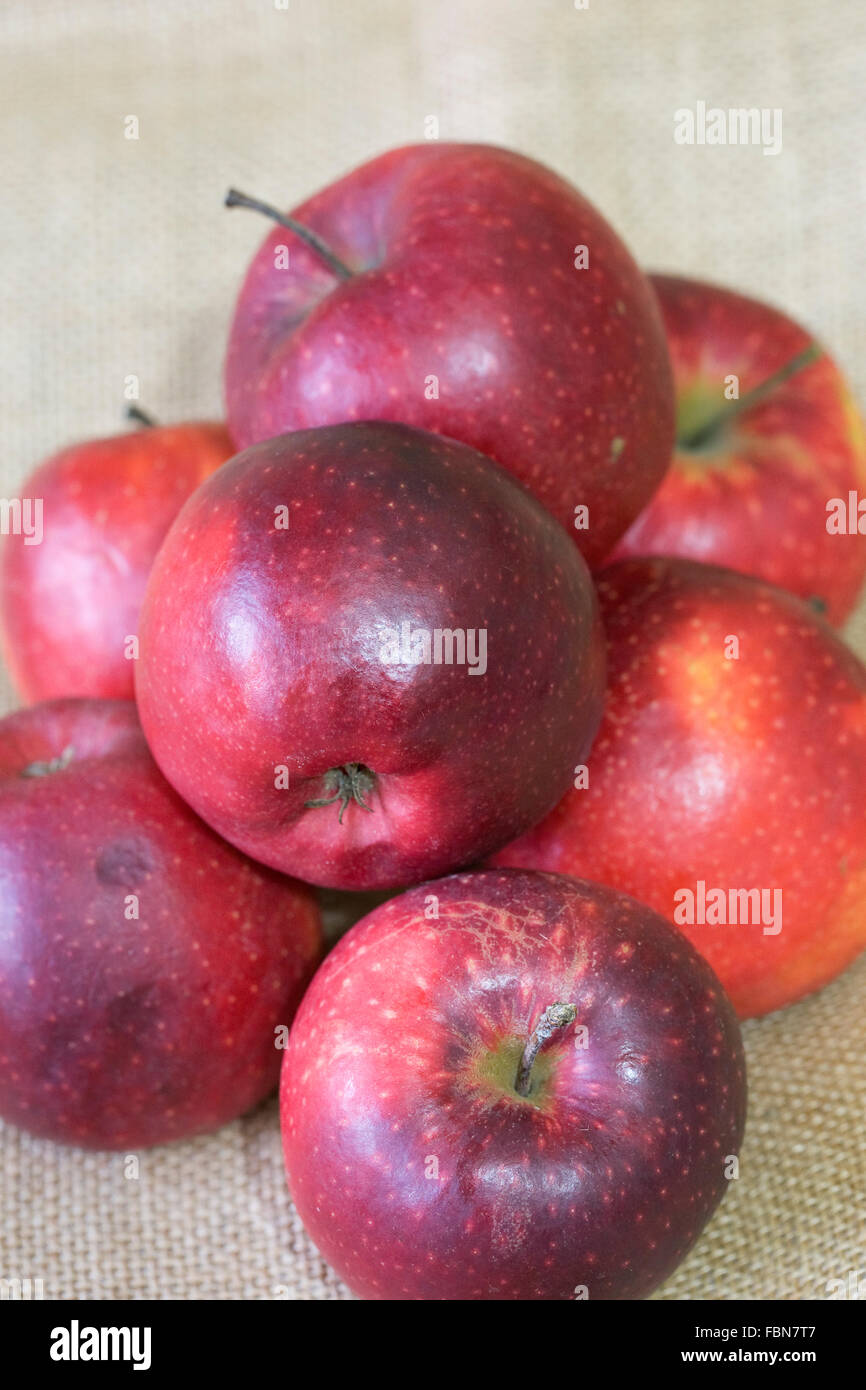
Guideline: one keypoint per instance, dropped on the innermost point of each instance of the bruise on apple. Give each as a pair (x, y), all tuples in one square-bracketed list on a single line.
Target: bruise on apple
[(144, 963)]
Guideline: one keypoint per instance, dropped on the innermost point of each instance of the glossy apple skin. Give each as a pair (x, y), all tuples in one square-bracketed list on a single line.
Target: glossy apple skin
[(68, 604), (116, 1033), (743, 773), (756, 499), (402, 1056), (463, 259), (262, 649)]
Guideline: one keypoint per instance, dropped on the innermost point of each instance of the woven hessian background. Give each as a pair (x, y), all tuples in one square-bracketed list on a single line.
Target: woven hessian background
[(118, 259)]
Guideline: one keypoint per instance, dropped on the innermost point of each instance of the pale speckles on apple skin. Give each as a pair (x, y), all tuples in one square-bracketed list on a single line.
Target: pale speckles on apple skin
[(376, 338), (608, 1188), (67, 604), (458, 760), (731, 771), (757, 501), (118, 1031)]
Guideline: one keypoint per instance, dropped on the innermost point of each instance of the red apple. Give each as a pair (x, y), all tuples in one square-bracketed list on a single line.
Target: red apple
[(69, 604), (449, 297), (726, 783), (368, 655), (145, 965), (511, 1086), (763, 484)]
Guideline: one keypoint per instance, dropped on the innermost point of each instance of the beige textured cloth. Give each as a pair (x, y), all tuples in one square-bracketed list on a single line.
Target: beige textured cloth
[(118, 259)]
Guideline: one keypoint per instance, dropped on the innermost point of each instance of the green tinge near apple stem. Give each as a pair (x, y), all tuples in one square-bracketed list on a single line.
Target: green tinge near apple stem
[(705, 432), (555, 1016), (234, 199), (140, 417)]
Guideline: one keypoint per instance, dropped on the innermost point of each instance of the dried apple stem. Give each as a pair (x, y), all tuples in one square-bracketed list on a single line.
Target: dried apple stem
[(141, 417), (234, 199), (352, 782), (555, 1016)]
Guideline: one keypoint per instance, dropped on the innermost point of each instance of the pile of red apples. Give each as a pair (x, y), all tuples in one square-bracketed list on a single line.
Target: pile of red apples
[(508, 591)]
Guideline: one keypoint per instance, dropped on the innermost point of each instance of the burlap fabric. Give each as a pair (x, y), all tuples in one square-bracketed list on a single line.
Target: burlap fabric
[(118, 260)]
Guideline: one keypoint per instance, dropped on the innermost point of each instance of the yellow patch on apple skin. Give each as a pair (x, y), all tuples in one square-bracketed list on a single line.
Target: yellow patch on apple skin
[(699, 683), (698, 468), (706, 677), (698, 403), (701, 676), (854, 428), (851, 719), (836, 941)]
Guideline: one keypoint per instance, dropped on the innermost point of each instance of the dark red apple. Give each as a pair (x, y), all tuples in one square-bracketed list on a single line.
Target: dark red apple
[(368, 655), (145, 966), (511, 1085), (69, 603), (477, 294), (726, 785), (764, 483)]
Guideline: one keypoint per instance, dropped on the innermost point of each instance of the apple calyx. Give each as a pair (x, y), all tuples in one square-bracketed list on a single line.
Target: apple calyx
[(704, 433), (349, 782), (234, 199), (44, 769), (555, 1016), (140, 417)]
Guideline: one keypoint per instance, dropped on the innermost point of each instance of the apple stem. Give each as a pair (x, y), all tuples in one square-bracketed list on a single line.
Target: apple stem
[(555, 1016), (351, 782), (40, 769), (704, 433), (141, 417), (234, 199)]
